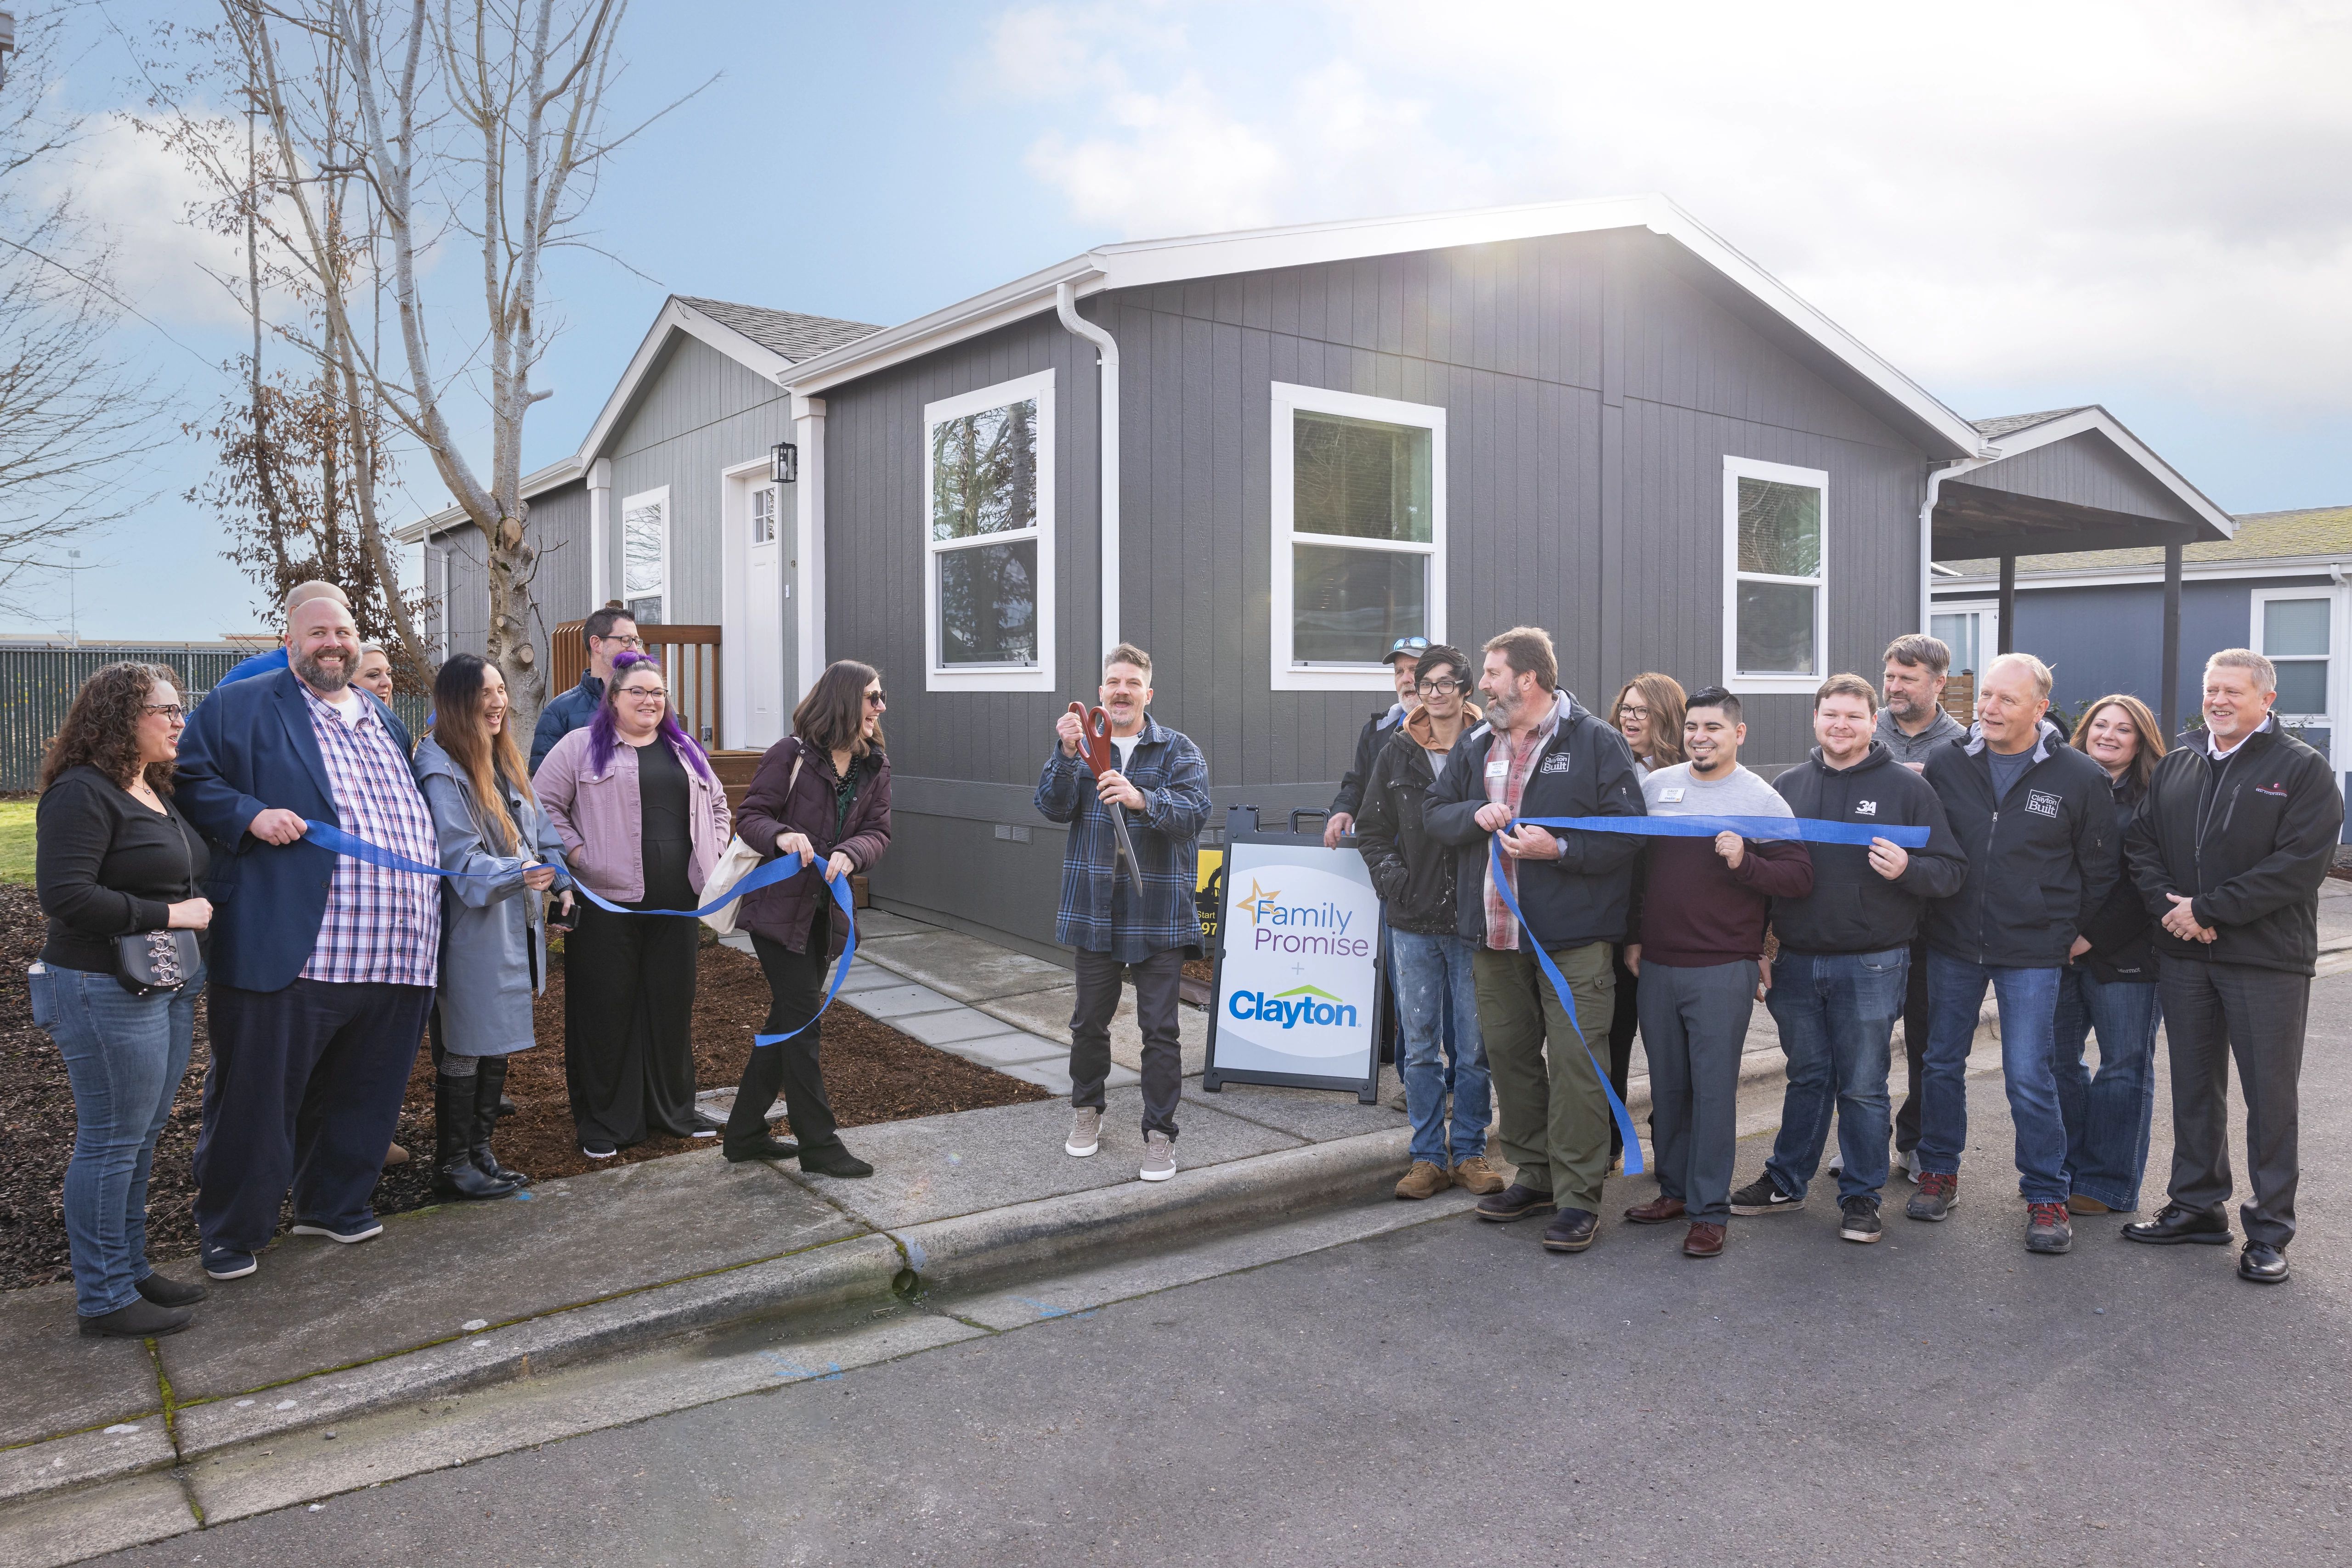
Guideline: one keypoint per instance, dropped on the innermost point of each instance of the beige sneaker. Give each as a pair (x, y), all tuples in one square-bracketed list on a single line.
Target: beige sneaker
[(1086, 1131), (1159, 1158), (1475, 1174), (1423, 1179)]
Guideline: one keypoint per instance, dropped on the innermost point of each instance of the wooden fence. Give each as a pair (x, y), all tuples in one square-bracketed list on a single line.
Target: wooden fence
[(690, 662)]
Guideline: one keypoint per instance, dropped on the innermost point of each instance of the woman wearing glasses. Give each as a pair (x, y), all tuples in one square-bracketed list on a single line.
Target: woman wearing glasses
[(643, 820), (112, 858), (822, 795), (1648, 712)]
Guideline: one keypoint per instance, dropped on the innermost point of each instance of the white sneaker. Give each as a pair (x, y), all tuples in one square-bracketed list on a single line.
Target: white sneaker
[(1086, 1132), (1159, 1158)]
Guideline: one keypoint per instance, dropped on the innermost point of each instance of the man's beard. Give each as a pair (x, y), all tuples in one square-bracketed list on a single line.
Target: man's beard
[(1903, 706), (320, 677)]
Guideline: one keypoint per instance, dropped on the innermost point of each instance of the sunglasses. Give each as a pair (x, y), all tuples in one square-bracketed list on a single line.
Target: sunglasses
[(877, 699)]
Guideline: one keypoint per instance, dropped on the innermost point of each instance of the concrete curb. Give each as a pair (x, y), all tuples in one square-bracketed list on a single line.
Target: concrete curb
[(1227, 1196)]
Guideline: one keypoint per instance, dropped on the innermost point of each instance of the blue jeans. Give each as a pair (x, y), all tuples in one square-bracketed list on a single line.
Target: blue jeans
[(2028, 1000), (124, 1056), (2107, 1115), (1836, 1015), (1434, 989)]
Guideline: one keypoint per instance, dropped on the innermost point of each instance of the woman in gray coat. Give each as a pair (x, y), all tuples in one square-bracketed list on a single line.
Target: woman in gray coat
[(493, 922)]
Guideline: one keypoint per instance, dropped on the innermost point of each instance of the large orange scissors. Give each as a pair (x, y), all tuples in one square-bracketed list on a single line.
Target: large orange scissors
[(1102, 757)]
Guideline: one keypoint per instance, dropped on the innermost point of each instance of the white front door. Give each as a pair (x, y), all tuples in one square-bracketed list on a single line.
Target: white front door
[(767, 640)]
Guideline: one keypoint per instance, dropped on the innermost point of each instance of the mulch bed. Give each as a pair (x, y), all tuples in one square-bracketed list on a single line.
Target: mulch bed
[(874, 1072)]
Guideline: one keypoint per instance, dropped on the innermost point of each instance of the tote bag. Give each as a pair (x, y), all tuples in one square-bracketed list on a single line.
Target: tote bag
[(738, 861)]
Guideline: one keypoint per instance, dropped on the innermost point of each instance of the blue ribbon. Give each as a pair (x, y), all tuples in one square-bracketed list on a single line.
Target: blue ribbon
[(327, 836), (1802, 829)]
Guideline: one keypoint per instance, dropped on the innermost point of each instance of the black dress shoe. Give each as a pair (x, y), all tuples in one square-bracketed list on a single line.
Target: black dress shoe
[(765, 1149), (2177, 1223), (142, 1319), (1514, 1202), (166, 1293), (1571, 1230), (2262, 1263), (833, 1160)]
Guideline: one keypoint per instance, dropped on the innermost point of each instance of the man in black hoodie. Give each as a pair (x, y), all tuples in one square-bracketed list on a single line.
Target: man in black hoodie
[(2038, 825), (1846, 951), (2238, 830)]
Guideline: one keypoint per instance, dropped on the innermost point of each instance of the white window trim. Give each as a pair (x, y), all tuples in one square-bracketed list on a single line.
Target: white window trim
[(1288, 673), (1735, 469), (658, 496), (1988, 628), (2334, 600), (1039, 678)]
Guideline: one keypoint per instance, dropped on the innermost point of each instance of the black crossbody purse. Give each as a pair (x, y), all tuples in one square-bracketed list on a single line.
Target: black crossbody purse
[(146, 962)]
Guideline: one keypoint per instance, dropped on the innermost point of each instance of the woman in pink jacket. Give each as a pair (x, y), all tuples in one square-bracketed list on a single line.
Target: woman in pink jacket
[(643, 820)]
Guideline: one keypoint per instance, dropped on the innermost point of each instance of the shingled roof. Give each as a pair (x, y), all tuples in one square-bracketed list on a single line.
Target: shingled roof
[(2261, 535), (786, 332), (2004, 423)]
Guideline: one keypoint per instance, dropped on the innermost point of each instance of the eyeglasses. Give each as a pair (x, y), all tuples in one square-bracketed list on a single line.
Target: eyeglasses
[(172, 711), (631, 645), (1440, 687), (877, 699), (1630, 711), (646, 694)]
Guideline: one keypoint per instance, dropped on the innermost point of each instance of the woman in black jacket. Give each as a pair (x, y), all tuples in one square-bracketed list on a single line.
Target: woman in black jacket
[(2109, 986), (1437, 1000), (113, 858)]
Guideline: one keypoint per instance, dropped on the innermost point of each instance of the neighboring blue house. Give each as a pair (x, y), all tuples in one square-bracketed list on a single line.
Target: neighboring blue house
[(2278, 586)]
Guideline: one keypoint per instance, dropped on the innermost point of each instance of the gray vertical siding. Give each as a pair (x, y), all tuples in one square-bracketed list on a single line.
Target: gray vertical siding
[(558, 521), (2087, 471), (1592, 392)]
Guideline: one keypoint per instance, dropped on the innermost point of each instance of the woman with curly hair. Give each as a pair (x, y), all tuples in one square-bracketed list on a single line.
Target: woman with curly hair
[(114, 858), (643, 820)]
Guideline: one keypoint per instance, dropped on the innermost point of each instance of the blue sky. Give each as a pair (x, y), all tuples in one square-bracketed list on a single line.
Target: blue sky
[(2022, 206)]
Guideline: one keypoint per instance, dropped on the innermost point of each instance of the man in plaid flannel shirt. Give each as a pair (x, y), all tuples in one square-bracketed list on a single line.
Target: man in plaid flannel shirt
[(322, 967), (1124, 919)]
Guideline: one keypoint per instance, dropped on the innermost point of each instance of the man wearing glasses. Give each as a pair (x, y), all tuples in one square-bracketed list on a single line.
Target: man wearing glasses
[(607, 632), (1404, 657)]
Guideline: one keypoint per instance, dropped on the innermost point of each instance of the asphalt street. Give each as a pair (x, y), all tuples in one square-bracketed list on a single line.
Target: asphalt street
[(1448, 1393)]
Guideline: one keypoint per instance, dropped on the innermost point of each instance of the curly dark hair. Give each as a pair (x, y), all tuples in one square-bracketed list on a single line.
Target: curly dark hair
[(101, 728)]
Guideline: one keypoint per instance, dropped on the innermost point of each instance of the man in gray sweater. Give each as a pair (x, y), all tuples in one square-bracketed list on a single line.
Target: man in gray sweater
[(1912, 724)]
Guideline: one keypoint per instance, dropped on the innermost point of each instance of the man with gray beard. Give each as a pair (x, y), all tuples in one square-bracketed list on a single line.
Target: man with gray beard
[(1911, 725), (322, 967)]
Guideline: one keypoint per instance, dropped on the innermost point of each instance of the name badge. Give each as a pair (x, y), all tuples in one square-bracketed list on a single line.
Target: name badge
[(1670, 796), (1500, 768)]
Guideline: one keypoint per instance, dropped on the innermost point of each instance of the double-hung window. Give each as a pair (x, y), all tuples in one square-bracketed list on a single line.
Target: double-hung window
[(645, 556), (1359, 509), (2293, 628), (1775, 581), (987, 537)]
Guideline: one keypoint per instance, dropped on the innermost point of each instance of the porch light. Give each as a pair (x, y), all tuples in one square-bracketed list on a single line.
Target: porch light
[(784, 463)]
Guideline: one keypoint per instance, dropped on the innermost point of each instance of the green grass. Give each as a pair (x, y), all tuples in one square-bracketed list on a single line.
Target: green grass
[(16, 841)]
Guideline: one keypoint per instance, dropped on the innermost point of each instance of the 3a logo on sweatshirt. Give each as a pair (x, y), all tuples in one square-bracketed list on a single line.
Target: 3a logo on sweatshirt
[(1558, 762), (2041, 803), (1865, 808)]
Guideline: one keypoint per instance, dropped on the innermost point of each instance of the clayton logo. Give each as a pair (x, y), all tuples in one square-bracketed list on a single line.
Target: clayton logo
[(1290, 1009)]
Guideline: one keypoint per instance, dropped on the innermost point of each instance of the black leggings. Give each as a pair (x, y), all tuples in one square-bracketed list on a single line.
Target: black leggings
[(796, 983)]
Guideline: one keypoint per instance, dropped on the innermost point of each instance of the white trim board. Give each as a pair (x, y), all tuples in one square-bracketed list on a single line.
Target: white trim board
[(2086, 420), (2330, 595), (657, 496), (1286, 674), (1037, 677), (1145, 262)]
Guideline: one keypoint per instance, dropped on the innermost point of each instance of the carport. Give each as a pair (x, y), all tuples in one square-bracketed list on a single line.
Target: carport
[(2069, 479)]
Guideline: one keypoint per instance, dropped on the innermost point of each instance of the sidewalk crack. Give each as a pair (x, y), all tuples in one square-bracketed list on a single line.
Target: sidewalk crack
[(180, 1477)]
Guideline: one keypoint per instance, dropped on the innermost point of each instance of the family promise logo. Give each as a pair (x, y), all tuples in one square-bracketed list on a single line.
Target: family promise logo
[(1320, 929)]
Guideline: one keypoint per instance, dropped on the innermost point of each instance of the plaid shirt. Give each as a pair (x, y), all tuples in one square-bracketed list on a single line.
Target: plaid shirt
[(1502, 930), (1099, 914), (380, 925)]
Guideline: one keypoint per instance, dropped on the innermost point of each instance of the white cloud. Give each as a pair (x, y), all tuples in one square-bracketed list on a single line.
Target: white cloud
[(2092, 194), (143, 197)]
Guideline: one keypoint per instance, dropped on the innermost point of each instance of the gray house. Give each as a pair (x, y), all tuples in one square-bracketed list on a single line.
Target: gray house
[(1264, 455)]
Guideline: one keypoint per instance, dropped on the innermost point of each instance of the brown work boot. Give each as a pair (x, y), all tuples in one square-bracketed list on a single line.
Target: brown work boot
[(1423, 1180), (1657, 1211), (1475, 1174), (1705, 1240)]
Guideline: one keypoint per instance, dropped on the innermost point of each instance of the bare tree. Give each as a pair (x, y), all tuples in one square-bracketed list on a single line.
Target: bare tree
[(73, 415)]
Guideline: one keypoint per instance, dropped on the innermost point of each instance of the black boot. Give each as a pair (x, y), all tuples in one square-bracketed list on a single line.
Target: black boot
[(454, 1174), (490, 1087), (746, 1137), (507, 1107)]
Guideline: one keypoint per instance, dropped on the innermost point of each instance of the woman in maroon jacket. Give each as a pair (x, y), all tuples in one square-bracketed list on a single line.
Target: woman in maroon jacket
[(822, 792)]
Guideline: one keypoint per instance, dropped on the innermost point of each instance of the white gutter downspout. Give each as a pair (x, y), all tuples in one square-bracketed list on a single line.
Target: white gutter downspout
[(1935, 477), (1066, 306)]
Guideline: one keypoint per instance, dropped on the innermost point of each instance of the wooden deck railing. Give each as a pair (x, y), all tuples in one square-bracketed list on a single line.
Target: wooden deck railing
[(690, 662)]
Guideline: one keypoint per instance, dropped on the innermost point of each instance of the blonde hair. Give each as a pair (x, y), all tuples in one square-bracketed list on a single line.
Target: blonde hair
[(2265, 674)]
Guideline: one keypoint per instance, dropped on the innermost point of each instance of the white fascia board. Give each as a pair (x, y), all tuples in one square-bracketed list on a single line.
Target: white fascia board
[(538, 482), (2085, 420), (2123, 577), (1142, 263)]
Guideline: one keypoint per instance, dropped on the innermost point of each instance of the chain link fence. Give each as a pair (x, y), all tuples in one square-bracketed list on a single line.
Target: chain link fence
[(37, 685)]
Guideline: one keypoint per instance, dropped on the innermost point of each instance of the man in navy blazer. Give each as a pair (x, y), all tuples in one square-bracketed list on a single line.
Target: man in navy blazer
[(321, 967)]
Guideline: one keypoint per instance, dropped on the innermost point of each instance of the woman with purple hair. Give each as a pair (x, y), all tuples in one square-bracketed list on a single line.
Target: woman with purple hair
[(643, 820)]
